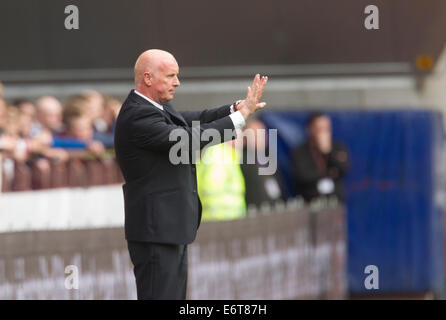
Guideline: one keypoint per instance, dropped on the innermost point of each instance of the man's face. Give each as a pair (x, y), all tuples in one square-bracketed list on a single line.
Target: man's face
[(51, 118), (24, 124), (28, 108), (164, 81), (49, 113), (321, 126), (95, 108), (81, 128), (3, 111)]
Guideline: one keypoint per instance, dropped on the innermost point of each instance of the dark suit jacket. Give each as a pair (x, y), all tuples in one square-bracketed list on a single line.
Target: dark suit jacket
[(307, 174), (160, 198)]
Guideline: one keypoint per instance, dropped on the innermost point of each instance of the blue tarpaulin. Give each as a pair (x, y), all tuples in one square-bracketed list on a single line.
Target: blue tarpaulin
[(394, 193)]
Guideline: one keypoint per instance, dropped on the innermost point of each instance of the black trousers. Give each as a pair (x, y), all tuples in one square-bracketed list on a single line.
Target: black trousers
[(160, 270)]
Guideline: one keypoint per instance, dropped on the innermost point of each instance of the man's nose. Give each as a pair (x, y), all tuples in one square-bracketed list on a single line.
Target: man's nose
[(176, 82)]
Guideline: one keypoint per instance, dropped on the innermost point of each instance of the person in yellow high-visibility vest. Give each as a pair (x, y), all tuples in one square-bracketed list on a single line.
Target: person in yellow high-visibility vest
[(220, 182)]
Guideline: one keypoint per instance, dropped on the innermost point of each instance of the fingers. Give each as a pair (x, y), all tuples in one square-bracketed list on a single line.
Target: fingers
[(262, 85), (258, 85), (255, 85), (249, 95), (261, 105), (255, 91), (248, 92)]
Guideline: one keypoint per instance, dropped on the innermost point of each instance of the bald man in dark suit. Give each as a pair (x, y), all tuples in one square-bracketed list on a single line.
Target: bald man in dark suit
[(162, 207)]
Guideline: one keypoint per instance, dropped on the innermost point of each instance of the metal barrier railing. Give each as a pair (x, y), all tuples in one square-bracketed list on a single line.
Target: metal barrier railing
[(81, 170)]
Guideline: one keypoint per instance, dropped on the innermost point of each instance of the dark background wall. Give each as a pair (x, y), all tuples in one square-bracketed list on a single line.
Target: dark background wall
[(204, 32)]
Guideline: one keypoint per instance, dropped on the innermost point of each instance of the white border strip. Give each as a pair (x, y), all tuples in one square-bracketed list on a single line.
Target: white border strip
[(62, 209)]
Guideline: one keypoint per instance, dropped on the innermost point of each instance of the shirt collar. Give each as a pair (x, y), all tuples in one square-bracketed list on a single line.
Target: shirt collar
[(150, 100)]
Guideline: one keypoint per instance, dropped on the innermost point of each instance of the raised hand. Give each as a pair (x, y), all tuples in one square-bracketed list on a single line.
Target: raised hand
[(251, 104)]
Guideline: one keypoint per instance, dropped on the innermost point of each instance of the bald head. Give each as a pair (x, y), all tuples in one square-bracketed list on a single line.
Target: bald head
[(150, 61), (47, 103), (156, 75), (49, 112)]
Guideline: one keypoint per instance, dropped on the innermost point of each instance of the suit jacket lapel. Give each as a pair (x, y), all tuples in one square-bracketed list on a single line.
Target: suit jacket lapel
[(167, 107), (173, 113)]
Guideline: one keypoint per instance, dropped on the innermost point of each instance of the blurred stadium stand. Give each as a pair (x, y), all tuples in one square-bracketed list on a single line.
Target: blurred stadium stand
[(395, 193)]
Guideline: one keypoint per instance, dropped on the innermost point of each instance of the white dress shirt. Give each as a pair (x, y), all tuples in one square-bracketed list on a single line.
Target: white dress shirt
[(236, 117), (156, 104)]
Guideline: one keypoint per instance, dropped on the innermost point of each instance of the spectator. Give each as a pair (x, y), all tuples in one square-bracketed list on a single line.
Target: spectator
[(75, 106), (259, 188), (104, 130), (80, 127), (320, 164), (25, 106), (21, 148), (33, 140), (46, 145), (3, 114), (49, 114), (17, 127), (220, 183), (95, 110), (112, 108), (91, 105), (7, 142)]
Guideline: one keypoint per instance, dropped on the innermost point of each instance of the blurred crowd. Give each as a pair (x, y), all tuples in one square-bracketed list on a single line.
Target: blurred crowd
[(48, 143), (227, 190), (38, 134)]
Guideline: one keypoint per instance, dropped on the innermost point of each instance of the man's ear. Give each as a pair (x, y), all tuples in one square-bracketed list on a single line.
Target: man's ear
[(147, 79)]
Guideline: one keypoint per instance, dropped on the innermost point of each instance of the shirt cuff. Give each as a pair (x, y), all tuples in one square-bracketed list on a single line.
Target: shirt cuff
[(232, 106), (237, 119)]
